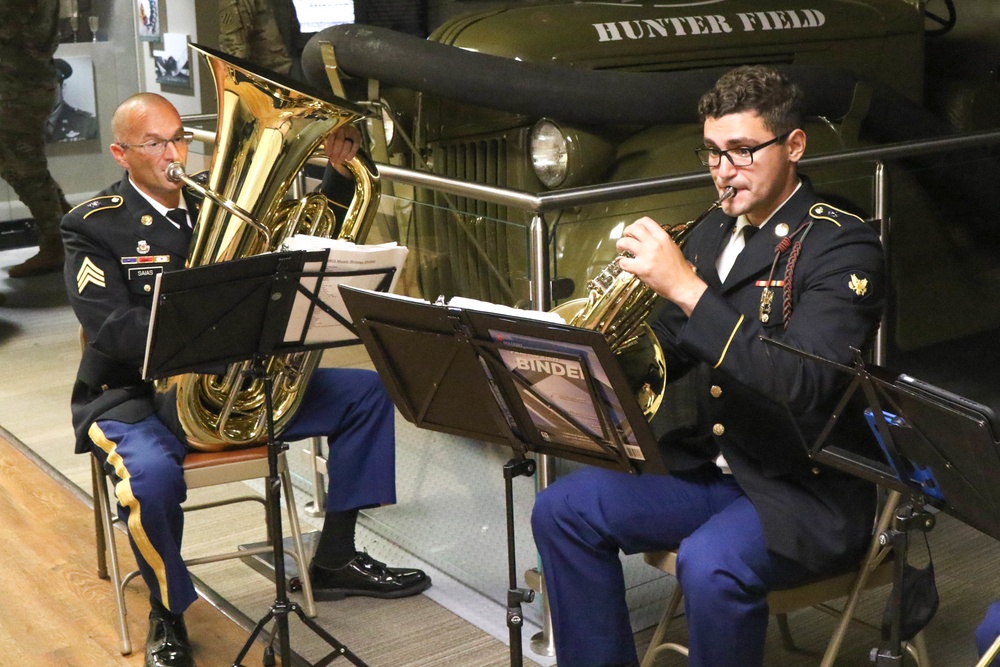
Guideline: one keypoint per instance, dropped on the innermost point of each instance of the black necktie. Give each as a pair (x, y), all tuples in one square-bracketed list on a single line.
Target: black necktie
[(732, 249), (180, 217)]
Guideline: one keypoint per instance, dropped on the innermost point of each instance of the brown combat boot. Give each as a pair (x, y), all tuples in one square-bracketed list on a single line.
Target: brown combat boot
[(48, 260)]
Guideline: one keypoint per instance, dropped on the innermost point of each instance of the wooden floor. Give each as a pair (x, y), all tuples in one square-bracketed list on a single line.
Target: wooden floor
[(56, 610), (39, 354)]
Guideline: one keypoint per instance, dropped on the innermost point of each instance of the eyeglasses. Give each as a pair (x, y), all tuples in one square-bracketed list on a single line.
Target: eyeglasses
[(156, 147), (741, 156)]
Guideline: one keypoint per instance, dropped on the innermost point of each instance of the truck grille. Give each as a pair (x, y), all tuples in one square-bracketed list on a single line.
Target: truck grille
[(472, 248)]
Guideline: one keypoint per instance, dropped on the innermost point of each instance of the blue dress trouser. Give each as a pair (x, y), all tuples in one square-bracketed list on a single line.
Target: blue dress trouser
[(348, 406), (582, 521), (988, 630)]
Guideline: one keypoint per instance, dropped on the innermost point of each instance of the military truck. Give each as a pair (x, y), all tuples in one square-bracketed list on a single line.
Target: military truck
[(551, 96)]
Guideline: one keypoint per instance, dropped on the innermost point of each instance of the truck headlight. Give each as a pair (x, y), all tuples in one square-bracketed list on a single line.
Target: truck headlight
[(549, 153)]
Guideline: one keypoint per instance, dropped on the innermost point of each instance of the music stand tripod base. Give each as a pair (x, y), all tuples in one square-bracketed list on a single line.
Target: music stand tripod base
[(189, 331), (282, 606)]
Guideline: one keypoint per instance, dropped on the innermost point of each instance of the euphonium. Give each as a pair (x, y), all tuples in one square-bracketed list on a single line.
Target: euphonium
[(618, 305), (267, 130)]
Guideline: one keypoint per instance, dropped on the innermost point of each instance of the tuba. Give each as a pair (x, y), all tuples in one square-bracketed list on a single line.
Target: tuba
[(618, 304), (267, 130)]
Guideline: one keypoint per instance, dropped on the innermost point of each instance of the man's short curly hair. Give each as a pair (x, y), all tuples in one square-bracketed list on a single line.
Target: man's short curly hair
[(757, 88)]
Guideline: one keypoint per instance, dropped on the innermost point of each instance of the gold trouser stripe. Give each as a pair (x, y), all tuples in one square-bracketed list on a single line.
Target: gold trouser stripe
[(123, 491), (729, 342)]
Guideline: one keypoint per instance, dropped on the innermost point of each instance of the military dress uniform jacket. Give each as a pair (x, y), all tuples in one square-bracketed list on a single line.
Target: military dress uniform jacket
[(759, 406), (116, 244)]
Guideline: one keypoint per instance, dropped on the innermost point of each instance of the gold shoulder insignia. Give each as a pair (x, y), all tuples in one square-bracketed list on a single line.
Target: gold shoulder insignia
[(96, 204), (832, 214), (858, 285)]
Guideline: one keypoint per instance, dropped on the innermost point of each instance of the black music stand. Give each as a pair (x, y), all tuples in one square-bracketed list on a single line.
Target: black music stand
[(252, 309), (534, 386), (941, 450)]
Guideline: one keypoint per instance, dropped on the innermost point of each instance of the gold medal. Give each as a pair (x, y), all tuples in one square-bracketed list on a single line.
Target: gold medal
[(766, 297)]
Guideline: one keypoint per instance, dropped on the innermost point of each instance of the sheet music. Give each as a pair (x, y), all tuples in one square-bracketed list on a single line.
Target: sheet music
[(562, 383), (498, 309), (362, 266), (485, 307)]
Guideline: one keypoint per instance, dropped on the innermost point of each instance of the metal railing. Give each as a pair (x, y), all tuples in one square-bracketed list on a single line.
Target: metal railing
[(539, 204)]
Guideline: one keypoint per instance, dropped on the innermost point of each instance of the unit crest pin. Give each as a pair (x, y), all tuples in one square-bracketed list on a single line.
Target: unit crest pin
[(142, 248)]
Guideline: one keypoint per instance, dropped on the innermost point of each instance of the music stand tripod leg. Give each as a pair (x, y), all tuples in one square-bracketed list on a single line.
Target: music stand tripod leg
[(282, 606), (515, 596), (909, 517)]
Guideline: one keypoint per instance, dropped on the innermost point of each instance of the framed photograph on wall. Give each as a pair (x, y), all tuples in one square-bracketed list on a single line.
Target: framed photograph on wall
[(147, 16), (172, 64), (74, 116)]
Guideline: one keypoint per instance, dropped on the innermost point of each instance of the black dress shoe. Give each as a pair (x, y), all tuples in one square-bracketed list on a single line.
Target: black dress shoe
[(167, 642), (366, 576)]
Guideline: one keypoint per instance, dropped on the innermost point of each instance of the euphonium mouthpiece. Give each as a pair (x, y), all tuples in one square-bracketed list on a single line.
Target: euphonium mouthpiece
[(730, 191)]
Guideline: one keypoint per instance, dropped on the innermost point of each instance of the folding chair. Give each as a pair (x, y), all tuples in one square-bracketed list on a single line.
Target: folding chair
[(201, 469), (875, 570)]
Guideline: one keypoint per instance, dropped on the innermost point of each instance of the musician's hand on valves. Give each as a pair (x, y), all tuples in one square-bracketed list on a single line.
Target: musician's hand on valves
[(658, 262), (341, 146)]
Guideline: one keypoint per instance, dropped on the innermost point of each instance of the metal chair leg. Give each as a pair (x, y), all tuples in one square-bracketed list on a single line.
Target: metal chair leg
[(917, 648), (97, 477), (656, 645), (317, 465), (102, 501), (872, 558), (787, 640), (542, 643), (987, 657)]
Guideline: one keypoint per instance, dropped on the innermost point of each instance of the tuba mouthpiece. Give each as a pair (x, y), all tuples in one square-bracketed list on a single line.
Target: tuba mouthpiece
[(175, 172)]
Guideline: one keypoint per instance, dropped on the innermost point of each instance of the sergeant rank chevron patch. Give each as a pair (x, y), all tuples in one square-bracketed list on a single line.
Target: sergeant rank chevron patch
[(89, 273)]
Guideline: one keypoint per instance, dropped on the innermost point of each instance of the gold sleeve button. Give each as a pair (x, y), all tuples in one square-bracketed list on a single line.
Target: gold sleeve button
[(715, 391), (815, 470), (718, 429)]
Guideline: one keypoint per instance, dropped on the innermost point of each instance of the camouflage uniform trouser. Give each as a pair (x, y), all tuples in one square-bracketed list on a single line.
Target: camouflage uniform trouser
[(248, 30), (24, 110)]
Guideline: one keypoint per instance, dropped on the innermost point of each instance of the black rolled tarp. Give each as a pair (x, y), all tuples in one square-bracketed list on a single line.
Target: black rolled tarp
[(609, 97), (576, 95)]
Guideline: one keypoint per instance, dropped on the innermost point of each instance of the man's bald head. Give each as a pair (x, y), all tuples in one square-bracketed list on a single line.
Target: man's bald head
[(149, 137), (127, 116)]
